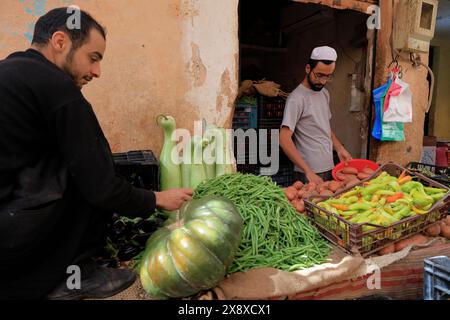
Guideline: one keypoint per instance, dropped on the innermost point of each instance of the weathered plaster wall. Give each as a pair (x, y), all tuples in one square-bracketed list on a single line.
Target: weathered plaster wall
[(441, 113), (410, 150), (163, 56)]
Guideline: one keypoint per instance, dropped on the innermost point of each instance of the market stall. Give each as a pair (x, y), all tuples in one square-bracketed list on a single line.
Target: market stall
[(344, 239)]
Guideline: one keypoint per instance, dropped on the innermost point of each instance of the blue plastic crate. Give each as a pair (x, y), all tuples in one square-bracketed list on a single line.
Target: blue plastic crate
[(436, 278), (245, 116)]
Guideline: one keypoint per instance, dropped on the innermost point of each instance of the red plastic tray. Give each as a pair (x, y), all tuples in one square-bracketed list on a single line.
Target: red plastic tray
[(359, 164)]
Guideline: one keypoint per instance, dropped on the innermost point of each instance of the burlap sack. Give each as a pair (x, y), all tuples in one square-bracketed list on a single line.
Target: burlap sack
[(265, 283)]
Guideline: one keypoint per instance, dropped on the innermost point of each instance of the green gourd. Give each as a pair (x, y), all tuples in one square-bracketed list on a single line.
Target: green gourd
[(168, 160), (193, 251)]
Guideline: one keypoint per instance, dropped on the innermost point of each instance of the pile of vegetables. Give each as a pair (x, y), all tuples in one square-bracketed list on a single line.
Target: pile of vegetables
[(274, 235), (299, 191), (126, 238), (441, 228), (202, 157), (194, 249), (351, 176), (384, 200)]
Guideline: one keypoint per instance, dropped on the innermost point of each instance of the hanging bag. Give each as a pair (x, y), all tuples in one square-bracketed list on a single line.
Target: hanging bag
[(398, 102)]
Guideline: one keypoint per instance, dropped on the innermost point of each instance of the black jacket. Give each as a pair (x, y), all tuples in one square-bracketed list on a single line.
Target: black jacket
[(49, 138)]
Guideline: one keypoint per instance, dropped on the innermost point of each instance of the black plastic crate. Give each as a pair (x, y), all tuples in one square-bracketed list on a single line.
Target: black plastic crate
[(284, 177), (140, 168), (270, 112), (439, 174), (248, 168)]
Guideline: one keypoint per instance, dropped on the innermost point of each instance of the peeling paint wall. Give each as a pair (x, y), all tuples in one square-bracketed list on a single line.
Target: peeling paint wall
[(163, 56)]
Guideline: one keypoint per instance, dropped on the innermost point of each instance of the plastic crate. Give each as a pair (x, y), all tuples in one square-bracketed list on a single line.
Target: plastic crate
[(283, 178), (350, 236), (245, 116), (436, 278), (248, 168), (270, 112), (140, 168), (441, 174), (244, 152)]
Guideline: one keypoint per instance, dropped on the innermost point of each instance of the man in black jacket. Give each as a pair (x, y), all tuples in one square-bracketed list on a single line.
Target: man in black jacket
[(57, 179)]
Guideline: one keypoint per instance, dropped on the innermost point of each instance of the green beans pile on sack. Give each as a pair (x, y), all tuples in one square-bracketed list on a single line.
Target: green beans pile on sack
[(274, 234)]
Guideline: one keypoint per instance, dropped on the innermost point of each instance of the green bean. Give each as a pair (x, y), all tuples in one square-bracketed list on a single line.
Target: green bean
[(274, 234)]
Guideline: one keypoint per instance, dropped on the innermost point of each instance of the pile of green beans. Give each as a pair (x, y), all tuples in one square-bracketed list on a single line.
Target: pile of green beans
[(274, 234)]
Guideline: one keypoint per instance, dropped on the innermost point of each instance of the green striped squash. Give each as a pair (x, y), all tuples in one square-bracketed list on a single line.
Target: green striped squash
[(193, 251)]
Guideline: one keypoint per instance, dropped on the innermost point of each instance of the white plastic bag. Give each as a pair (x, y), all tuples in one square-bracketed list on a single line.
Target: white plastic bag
[(399, 104)]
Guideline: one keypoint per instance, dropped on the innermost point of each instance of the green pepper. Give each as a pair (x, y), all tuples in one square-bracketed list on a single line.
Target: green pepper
[(350, 193), (385, 192), (409, 186), (369, 190), (360, 206), (349, 213), (420, 200), (430, 190), (382, 201), (437, 196), (395, 186), (403, 213), (387, 216), (336, 201), (351, 199)]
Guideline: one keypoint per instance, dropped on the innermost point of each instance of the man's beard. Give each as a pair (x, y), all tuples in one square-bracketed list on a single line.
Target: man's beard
[(67, 68), (314, 86)]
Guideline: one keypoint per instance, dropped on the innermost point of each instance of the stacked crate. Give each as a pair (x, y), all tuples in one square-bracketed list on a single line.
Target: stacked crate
[(261, 113)]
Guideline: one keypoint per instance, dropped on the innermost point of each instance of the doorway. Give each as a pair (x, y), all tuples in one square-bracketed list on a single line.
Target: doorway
[(276, 38)]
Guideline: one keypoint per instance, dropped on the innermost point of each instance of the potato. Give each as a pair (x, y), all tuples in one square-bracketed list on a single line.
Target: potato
[(309, 194), (368, 171), (334, 185), (447, 220), (445, 230), (352, 182), (327, 193), (387, 250), (414, 240), (433, 231), (291, 193), (340, 176), (326, 184), (300, 207), (298, 185), (339, 190), (300, 193), (350, 170), (363, 175), (311, 186)]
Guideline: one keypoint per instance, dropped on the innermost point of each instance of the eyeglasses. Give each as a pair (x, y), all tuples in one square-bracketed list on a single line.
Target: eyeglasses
[(326, 77)]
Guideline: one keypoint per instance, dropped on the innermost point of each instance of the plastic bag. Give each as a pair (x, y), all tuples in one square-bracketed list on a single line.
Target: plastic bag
[(398, 103), (385, 131), (378, 99)]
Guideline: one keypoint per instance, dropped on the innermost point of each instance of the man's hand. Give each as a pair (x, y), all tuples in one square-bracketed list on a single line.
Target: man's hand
[(172, 199), (312, 177), (344, 155)]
